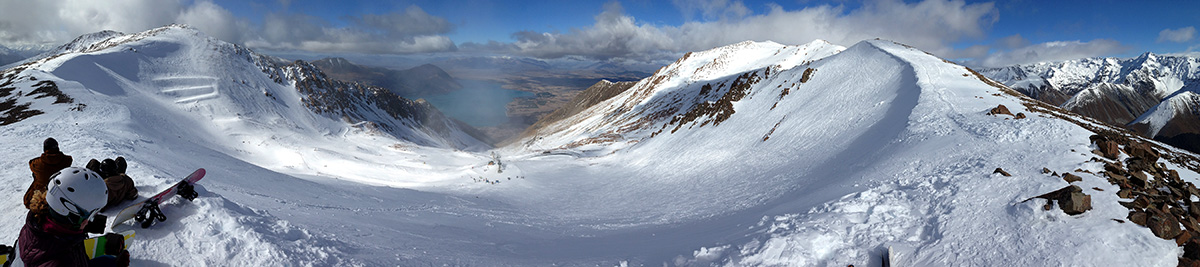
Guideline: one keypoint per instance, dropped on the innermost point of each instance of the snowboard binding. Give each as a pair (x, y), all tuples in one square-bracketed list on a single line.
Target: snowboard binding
[(148, 213), (187, 191)]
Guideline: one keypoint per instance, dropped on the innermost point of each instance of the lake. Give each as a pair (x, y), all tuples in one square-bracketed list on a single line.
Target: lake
[(478, 103)]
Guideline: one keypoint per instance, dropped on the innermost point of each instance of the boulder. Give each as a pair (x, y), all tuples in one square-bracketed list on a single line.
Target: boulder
[(1001, 109), (1045, 170), (1114, 167), (1071, 200), (1001, 172), (1139, 179), (1141, 202), (1125, 194), (1163, 226), (1137, 217), (1142, 150), (1020, 115), (1071, 178), (1191, 250), (1183, 238), (1075, 203), (1109, 149), (1186, 262), (1194, 209), (1137, 164)]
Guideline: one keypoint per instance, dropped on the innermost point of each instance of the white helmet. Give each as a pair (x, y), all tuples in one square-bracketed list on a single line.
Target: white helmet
[(75, 194)]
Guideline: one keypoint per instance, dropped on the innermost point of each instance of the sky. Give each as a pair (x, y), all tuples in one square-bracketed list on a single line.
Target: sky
[(975, 33)]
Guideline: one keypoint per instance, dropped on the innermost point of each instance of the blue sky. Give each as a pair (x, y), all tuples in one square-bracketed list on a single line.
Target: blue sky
[(978, 33)]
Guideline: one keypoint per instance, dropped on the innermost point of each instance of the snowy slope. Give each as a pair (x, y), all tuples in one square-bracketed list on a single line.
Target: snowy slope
[(749, 154), (883, 146)]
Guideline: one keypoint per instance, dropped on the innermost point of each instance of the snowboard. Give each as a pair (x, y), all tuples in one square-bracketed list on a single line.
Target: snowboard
[(95, 246), (147, 211), (92, 246)]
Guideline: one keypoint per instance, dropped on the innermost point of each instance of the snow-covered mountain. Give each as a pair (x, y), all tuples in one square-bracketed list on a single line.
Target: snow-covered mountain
[(1152, 94), (823, 155), (224, 79), (751, 154)]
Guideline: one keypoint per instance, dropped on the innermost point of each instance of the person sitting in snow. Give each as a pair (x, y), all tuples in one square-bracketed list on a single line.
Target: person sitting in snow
[(51, 161), (53, 234), (120, 186)]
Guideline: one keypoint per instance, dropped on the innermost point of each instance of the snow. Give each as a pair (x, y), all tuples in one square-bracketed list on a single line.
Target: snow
[(885, 146)]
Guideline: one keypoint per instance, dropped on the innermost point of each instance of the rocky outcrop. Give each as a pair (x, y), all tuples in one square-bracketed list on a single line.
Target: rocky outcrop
[(1162, 201), (1071, 200), (1001, 109)]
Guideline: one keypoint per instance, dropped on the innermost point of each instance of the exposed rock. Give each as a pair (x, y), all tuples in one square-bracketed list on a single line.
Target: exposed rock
[(1142, 150), (1163, 226), (1001, 172), (1076, 203), (1114, 167), (1071, 200), (1110, 150), (1183, 238), (1020, 115), (1137, 217), (1125, 193), (1071, 178), (1001, 109), (1139, 179), (1191, 250), (1185, 262)]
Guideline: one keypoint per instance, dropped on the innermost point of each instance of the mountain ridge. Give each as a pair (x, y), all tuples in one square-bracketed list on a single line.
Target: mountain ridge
[(1145, 93)]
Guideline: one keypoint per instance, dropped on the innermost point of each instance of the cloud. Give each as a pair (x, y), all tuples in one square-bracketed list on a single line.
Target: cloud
[(407, 32), (410, 30), (52, 22), (1177, 35), (1014, 41), (1050, 51), (931, 25), (712, 9)]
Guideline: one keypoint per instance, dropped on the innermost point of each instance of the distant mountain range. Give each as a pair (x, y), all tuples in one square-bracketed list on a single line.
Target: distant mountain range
[(418, 81), (1154, 95)]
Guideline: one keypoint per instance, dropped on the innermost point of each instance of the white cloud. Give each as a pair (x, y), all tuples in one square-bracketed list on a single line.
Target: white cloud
[(52, 22), (931, 25), (1177, 35), (410, 30), (1050, 51)]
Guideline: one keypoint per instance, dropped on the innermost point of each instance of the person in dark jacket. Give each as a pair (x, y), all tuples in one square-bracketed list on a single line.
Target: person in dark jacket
[(53, 233), (51, 161), (120, 186)]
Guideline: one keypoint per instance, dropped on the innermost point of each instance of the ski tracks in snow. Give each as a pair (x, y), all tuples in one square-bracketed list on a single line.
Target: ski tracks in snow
[(186, 89)]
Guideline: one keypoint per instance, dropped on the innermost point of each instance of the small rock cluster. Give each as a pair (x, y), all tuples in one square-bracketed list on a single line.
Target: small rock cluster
[(1160, 200), (1001, 109), (1071, 200)]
